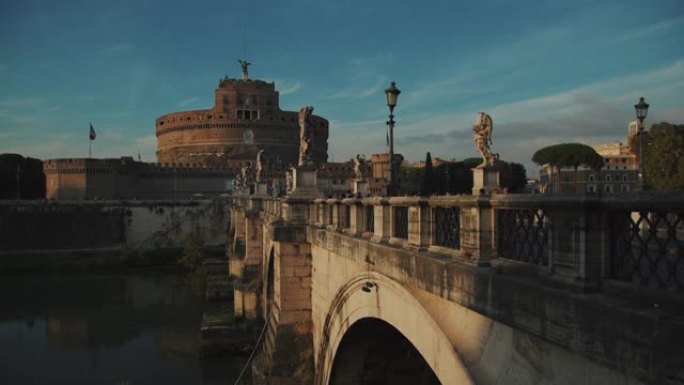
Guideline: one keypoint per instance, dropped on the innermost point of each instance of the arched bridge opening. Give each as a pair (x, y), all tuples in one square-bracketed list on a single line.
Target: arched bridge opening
[(373, 352)]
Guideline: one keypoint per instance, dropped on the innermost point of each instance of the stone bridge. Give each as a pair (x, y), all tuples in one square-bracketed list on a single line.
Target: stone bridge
[(502, 289)]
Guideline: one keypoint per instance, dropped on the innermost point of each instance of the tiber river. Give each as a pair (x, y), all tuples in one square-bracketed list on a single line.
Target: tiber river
[(104, 329)]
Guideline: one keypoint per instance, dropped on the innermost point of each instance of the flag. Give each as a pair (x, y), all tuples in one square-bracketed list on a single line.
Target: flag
[(92, 132)]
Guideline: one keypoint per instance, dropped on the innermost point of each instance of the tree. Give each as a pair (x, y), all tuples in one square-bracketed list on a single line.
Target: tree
[(664, 156), (568, 155), (31, 181), (453, 178), (513, 176), (428, 186), (458, 177)]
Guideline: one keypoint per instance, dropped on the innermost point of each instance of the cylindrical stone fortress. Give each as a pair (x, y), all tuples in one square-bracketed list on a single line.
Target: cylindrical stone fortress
[(246, 118)]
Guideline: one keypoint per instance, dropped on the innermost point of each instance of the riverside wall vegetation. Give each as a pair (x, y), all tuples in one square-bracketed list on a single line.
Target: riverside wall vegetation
[(85, 235)]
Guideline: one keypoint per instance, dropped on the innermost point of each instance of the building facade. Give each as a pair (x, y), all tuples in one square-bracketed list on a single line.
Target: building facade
[(619, 174)]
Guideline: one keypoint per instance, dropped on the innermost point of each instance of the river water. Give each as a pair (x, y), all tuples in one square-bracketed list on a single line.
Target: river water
[(105, 329)]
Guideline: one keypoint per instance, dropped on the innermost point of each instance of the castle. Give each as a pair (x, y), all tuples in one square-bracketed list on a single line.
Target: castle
[(246, 118), (199, 152)]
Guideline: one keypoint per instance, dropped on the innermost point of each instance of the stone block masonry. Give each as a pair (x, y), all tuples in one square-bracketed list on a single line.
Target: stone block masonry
[(35, 235)]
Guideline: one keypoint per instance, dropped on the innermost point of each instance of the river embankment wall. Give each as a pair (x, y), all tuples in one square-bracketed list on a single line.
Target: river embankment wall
[(38, 235)]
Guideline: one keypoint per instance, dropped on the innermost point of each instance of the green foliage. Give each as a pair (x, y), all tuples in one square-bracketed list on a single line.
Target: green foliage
[(31, 177), (472, 162), (412, 174), (568, 155), (512, 175), (454, 178), (193, 250), (664, 156), (427, 187), (457, 178)]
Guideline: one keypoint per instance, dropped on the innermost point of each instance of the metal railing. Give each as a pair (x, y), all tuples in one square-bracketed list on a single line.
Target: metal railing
[(447, 227), (400, 222), (648, 248), (522, 235), (369, 212)]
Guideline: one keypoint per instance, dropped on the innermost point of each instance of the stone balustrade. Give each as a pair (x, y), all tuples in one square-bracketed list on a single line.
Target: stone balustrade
[(578, 242)]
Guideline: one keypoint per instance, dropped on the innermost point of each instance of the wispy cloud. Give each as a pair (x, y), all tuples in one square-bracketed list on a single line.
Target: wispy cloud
[(21, 102), (651, 29), (115, 48), (593, 114), (286, 87), (365, 77), (361, 91), (187, 102)]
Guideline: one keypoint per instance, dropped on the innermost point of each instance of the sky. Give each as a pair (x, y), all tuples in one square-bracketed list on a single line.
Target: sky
[(546, 71)]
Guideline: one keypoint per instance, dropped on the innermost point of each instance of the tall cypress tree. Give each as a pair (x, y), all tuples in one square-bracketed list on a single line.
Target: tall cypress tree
[(428, 187)]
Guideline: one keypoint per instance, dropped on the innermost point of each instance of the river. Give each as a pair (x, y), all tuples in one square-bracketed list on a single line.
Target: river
[(105, 329)]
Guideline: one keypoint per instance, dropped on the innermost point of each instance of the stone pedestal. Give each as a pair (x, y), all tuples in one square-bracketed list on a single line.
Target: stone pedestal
[(360, 188), (305, 183), (261, 190), (485, 180)]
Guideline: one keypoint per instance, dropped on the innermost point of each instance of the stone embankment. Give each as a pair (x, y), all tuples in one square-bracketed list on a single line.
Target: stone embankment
[(83, 235)]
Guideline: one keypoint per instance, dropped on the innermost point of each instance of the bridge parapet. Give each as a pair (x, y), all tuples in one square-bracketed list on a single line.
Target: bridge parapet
[(581, 242)]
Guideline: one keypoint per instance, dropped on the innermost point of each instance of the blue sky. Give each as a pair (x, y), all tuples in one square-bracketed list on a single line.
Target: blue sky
[(546, 71)]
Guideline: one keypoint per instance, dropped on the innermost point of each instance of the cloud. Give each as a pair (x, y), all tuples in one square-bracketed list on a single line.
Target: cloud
[(361, 90), (115, 48), (286, 87), (365, 77), (59, 146), (594, 113), (187, 102), (649, 30), (21, 103)]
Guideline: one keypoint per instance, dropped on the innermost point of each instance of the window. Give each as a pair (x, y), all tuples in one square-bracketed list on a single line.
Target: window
[(591, 177), (608, 188), (248, 114), (608, 178), (624, 178), (591, 188)]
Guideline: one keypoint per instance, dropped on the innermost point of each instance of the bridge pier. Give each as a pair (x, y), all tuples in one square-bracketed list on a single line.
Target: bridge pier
[(287, 354)]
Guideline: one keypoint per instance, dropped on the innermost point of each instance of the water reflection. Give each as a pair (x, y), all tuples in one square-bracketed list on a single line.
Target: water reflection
[(104, 330)]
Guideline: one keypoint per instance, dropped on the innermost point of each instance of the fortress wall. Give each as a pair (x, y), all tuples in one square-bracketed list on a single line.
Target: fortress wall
[(34, 234)]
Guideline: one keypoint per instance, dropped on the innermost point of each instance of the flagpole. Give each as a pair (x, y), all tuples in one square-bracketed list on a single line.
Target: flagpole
[(90, 148)]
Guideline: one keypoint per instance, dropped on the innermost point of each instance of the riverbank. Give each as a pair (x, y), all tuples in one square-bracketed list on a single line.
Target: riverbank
[(67, 236)]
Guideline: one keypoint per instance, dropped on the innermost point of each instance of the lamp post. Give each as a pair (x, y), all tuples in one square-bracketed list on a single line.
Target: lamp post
[(641, 109), (392, 94)]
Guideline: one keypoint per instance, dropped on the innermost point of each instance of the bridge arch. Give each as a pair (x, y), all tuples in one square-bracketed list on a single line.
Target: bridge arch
[(374, 296)]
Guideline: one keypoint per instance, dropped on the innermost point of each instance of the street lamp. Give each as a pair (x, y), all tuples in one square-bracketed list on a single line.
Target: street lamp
[(392, 95), (641, 109)]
